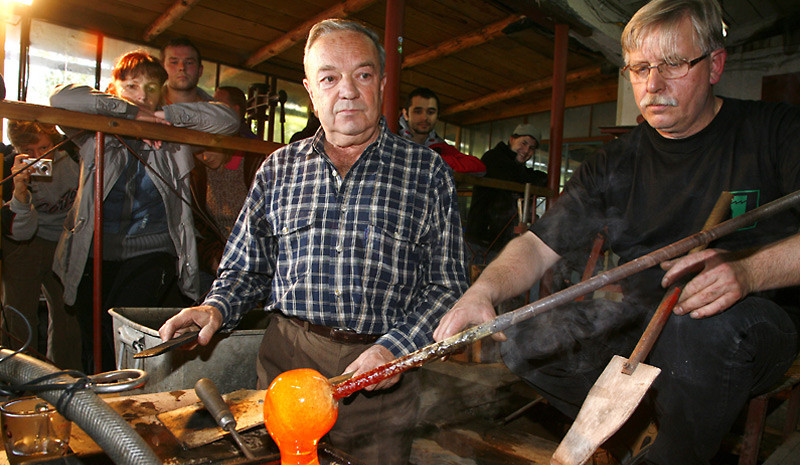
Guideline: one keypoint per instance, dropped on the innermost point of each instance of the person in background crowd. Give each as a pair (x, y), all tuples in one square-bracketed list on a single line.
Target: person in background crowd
[(417, 123), (184, 67), (734, 331), (248, 161), (33, 220), (492, 211), (219, 186), (149, 251), (352, 237)]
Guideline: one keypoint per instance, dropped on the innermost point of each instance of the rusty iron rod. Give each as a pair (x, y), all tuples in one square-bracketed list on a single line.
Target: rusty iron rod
[(501, 322)]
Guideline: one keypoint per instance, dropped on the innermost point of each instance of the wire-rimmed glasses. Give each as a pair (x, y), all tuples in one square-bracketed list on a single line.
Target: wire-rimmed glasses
[(641, 71)]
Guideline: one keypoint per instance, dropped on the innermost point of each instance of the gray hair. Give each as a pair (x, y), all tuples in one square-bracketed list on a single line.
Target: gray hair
[(336, 25), (665, 16)]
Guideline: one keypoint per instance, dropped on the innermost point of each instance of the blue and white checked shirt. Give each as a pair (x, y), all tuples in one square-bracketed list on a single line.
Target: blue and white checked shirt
[(378, 252)]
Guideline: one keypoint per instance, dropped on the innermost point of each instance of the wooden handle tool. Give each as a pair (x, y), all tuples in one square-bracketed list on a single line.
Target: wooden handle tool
[(207, 391)]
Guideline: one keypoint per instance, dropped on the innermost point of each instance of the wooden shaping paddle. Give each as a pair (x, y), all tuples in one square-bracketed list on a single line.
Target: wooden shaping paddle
[(622, 385), (615, 394)]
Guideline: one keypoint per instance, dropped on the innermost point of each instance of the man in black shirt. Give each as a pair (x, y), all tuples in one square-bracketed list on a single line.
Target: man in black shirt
[(734, 331), (493, 211)]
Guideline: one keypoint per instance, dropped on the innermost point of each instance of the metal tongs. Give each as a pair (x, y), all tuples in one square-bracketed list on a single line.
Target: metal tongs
[(159, 349)]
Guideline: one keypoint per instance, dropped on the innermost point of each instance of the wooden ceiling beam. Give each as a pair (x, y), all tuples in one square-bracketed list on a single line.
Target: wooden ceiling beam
[(465, 41), (547, 14), (298, 34), (601, 92), (528, 87), (168, 18)]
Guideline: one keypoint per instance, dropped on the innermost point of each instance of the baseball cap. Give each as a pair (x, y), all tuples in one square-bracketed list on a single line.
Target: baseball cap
[(528, 130)]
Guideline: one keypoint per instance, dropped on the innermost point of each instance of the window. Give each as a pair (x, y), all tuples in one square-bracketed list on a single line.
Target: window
[(113, 49), (296, 109), (58, 55)]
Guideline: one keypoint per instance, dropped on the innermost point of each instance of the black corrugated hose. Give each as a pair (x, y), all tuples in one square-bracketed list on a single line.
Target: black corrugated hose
[(82, 406)]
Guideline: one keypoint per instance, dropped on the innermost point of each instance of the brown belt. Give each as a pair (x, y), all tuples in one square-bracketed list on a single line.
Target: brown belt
[(335, 334)]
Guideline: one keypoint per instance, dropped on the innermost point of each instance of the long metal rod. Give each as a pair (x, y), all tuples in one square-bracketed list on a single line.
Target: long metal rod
[(501, 322), (97, 270)]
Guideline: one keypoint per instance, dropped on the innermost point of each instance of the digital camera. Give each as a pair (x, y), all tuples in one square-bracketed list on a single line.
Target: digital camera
[(42, 168)]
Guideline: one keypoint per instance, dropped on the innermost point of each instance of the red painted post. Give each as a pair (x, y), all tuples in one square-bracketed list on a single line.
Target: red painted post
[(556, 129), (393, 43), (97, 271), (557, 108)]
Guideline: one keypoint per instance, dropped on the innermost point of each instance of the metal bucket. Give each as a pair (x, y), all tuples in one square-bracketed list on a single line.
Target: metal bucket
[(229, 360)]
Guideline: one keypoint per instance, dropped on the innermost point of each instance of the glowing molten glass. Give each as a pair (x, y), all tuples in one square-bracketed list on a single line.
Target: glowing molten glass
[(299, 409)]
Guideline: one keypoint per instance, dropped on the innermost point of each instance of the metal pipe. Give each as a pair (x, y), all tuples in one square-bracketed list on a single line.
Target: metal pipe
[(97, 270), (526, 205), (273, 84), (24, 55), (98, 61)]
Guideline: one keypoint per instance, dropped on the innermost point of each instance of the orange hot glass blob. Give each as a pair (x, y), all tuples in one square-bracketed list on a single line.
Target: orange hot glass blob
[(299, 409)]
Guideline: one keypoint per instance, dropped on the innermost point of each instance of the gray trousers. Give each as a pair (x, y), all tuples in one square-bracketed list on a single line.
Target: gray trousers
[(27, 272)]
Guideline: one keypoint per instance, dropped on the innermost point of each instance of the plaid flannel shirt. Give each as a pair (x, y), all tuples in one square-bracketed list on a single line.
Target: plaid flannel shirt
[(379, 251)]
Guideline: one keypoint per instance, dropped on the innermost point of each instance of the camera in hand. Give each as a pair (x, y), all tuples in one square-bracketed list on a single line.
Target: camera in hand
[(42, 168)]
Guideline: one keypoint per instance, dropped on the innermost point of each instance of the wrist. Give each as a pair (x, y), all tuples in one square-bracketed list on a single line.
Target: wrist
[(481, 290), (22, 196)]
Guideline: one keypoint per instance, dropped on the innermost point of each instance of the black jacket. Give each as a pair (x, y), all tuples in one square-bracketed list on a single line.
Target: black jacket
[(493, 212)]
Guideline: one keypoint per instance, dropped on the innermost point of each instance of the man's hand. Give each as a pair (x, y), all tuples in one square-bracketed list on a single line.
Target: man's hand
[(372, 358), (721, 281), (21, 180), (473, 308), (205, 318)]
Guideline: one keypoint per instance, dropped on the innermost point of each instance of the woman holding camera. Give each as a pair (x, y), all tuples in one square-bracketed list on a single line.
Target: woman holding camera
[(33, 220)]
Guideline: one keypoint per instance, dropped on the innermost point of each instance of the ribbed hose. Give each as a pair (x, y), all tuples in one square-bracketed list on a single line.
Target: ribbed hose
[(105, 426)]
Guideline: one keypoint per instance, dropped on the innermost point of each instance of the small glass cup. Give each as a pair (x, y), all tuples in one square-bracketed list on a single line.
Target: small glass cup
[(33, 429)]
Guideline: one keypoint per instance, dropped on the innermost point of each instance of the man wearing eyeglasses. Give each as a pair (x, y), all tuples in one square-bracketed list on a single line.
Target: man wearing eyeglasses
[(734, 330)]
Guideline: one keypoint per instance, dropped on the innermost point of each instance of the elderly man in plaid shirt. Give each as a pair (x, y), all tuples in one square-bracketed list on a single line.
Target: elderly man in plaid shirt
[(353, 239)]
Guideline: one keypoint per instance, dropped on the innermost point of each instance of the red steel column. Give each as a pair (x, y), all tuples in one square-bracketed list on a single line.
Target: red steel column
[(557, 108), (97, 271), (393, 43), (556, 129)]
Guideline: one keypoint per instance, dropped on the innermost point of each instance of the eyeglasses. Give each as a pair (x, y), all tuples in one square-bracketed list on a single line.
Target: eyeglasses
[(640, 72)]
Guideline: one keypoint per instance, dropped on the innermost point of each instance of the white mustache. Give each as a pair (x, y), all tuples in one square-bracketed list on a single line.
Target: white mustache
[(651, 99)]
